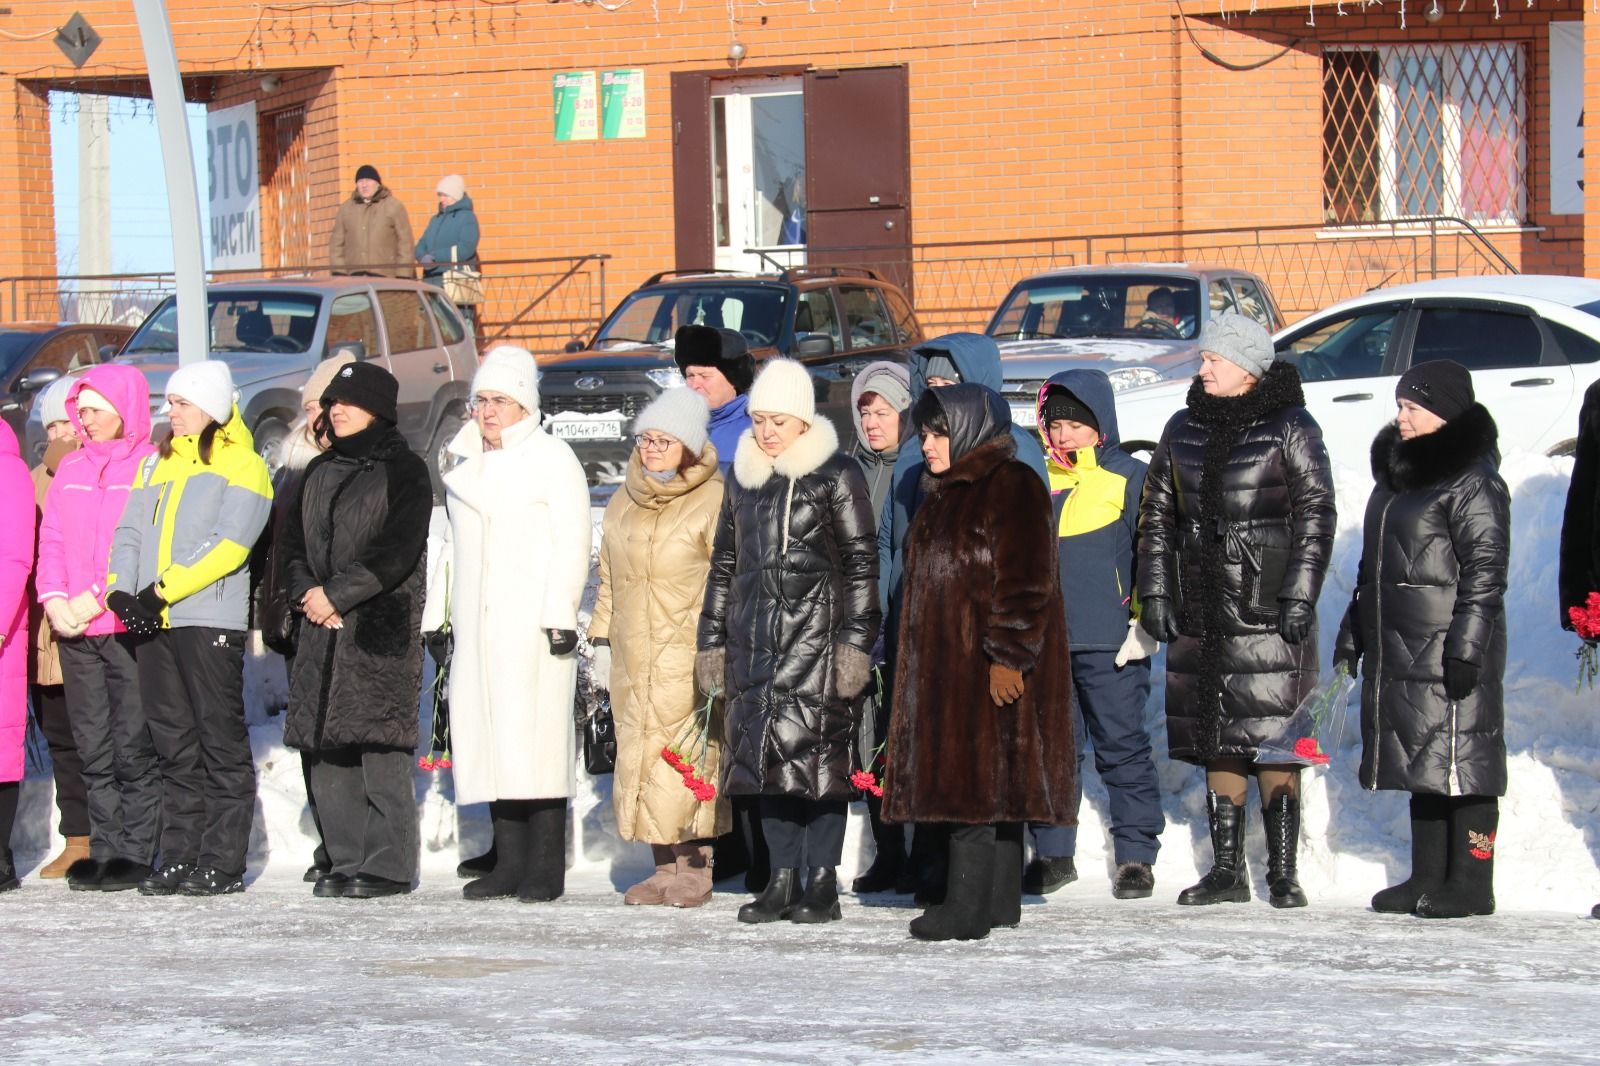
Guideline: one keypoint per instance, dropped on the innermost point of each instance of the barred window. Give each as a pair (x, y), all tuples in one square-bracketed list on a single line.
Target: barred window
[(1416, 130)]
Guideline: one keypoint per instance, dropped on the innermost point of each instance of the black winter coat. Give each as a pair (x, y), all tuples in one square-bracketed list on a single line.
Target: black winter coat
[(1432, 587), (1580, 526), (794, 573), (272, 612), (359, 529), (1237, 516)]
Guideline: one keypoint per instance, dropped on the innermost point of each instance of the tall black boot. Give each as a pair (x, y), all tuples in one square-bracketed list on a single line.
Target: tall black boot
[(1468, 887), (510, 818), (969, 889), (776, 901), (1005, 888), (544, 874), (928, 866), (1282, 818), (480, 864), (1228, 881), (820, 902), (889, 860), (1430, 832), (10, 791)]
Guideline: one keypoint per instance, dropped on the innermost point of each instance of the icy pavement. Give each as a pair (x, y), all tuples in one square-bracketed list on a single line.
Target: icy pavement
[(277, 976)]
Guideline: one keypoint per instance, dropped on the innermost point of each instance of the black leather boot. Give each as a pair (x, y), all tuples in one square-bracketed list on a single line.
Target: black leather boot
[(510, 819), (820, 903), (1228, 881), (1468, 887), (1282, 817), (969, 889), (776, 901), (1430, 829)]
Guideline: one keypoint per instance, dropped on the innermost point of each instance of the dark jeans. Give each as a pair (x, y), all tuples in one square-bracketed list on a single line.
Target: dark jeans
[(1108, 704), (803, 833), (367, 805), (72, 798), (116, 748), (192, 682)]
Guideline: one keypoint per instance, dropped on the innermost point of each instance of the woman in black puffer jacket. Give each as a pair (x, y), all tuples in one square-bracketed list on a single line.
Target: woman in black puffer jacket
[(790, 618), (1428, 616), (1236, 528), (353, 553)]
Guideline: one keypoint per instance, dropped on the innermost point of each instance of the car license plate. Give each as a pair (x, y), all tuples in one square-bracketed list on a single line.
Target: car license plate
[(1024, 415), (595, 429)]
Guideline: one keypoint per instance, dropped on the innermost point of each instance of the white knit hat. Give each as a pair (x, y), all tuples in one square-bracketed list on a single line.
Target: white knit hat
[(681, 413), (784, 388), (453, 186), (52, 402), (510, 370), (208, 385)]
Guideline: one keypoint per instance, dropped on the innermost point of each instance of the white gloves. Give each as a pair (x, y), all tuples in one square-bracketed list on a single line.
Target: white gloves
[(600, 668), (85, 607), (63, 619), (1137, 645)]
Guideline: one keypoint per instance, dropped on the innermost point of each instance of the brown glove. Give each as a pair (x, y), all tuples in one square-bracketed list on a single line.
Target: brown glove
[(1005, 684)]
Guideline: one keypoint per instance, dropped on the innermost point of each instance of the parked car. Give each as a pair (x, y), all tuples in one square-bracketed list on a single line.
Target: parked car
[(34, 354), (273, 333), (1532, 343), (1139, 323), (836, 320)]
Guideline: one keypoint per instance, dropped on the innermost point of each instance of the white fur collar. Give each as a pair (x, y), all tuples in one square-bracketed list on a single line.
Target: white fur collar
[(752, 466)]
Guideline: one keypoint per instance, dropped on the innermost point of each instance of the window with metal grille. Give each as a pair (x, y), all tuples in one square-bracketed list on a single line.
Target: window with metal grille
[(1416, 130)]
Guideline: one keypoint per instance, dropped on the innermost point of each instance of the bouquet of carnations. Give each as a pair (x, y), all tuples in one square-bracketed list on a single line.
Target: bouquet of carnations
[(1586, 620), (1315, 727), (690, 751)]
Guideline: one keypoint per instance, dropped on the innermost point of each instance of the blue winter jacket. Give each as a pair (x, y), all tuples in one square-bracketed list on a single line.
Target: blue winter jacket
[(453, 226), (1096, 494), (727, 425)]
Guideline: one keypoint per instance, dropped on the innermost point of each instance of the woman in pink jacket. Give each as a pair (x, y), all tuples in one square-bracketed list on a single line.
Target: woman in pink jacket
[(109, 408), (16, 563)]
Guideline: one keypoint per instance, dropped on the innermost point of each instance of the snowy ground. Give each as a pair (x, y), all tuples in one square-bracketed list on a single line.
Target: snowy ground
[(276, 975)]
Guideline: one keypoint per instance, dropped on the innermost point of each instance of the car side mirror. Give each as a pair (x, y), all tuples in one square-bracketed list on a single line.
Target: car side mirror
[(573, 346), (357, 350), (107, 352), (814, 345), (38, 378)]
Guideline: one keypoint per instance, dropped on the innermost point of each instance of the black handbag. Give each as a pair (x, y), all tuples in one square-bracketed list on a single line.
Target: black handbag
[(599, 741)]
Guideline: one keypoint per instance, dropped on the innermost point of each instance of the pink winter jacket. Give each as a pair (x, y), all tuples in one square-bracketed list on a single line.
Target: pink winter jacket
[(16, 562), (90, 489)]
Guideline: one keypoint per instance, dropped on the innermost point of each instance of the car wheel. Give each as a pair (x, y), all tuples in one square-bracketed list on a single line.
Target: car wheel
[(438, 457), (271, 434)]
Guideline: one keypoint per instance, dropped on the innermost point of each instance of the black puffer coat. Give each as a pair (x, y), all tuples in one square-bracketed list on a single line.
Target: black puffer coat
[(1237, 517), (1432, 587), (359, 529), (1580, 525), (794, 572)]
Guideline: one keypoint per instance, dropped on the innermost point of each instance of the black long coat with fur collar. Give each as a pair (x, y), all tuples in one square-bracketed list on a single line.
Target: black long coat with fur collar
[(1237, 516), (1432, 587), (982, 586)]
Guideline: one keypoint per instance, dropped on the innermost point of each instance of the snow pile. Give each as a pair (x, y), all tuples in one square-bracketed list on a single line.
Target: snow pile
[(1355, 842)]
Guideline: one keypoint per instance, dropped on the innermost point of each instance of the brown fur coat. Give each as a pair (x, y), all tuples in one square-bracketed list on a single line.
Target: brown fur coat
[(982, 586)]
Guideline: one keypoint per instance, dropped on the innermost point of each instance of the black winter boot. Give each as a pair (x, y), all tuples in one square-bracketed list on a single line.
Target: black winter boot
[(1045, 876), (510, 818), (544, 876), (776, 901), (85, 874), (1228, 881), (969, 889), (890, 841), (1134, 880), (8, 872), (1282, 818), (820, 902), (1430, 829), (164, 882), (928, 866), (1005, 887), (1468, 887), (119, 875), (482, 864)]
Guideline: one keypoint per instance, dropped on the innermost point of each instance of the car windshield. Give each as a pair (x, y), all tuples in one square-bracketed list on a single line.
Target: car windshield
[(240, 322), (14, 348), (1110, 305), (652, 316)]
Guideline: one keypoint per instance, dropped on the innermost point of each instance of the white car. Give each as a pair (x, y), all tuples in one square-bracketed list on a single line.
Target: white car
[(1531, 341)]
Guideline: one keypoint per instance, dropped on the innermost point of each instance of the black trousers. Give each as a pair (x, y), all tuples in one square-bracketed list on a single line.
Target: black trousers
[(116, 750), (191, 680), (366, 805), (803, 833), (72, 798)]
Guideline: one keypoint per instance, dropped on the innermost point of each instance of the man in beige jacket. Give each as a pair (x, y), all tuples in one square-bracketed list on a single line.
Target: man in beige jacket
[(372, 232)]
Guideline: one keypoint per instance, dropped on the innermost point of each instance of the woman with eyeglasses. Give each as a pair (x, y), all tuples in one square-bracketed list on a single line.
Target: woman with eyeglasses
[(511, 573), (654, 558)]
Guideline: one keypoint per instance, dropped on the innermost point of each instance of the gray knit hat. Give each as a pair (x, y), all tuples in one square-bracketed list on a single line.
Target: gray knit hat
[(1240, 340), (681, 413)]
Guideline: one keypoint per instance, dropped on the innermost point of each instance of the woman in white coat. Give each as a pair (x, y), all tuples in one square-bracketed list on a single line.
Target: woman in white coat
[(513, 568)]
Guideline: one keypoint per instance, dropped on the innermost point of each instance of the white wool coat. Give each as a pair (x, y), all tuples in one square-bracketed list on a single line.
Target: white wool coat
[(514, 563)]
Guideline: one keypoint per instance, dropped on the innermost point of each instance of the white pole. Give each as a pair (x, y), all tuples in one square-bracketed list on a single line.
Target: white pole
[(94, 206), (183, 195)]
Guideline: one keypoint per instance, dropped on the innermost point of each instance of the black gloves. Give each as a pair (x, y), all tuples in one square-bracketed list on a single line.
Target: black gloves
[(1158, 618), (562, 641), (438, 644), (1294, 620), (1460, 678), (135, 613)]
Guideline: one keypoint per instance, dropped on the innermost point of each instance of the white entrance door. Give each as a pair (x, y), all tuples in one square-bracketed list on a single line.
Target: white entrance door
[(758, 172)]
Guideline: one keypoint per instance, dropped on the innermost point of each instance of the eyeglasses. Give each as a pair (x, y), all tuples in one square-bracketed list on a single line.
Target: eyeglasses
[(653, 444), (490, 403)]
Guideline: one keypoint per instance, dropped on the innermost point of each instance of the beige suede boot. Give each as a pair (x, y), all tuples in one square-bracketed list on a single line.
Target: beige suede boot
[(77, 848), (652, 891), (692, 886)]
